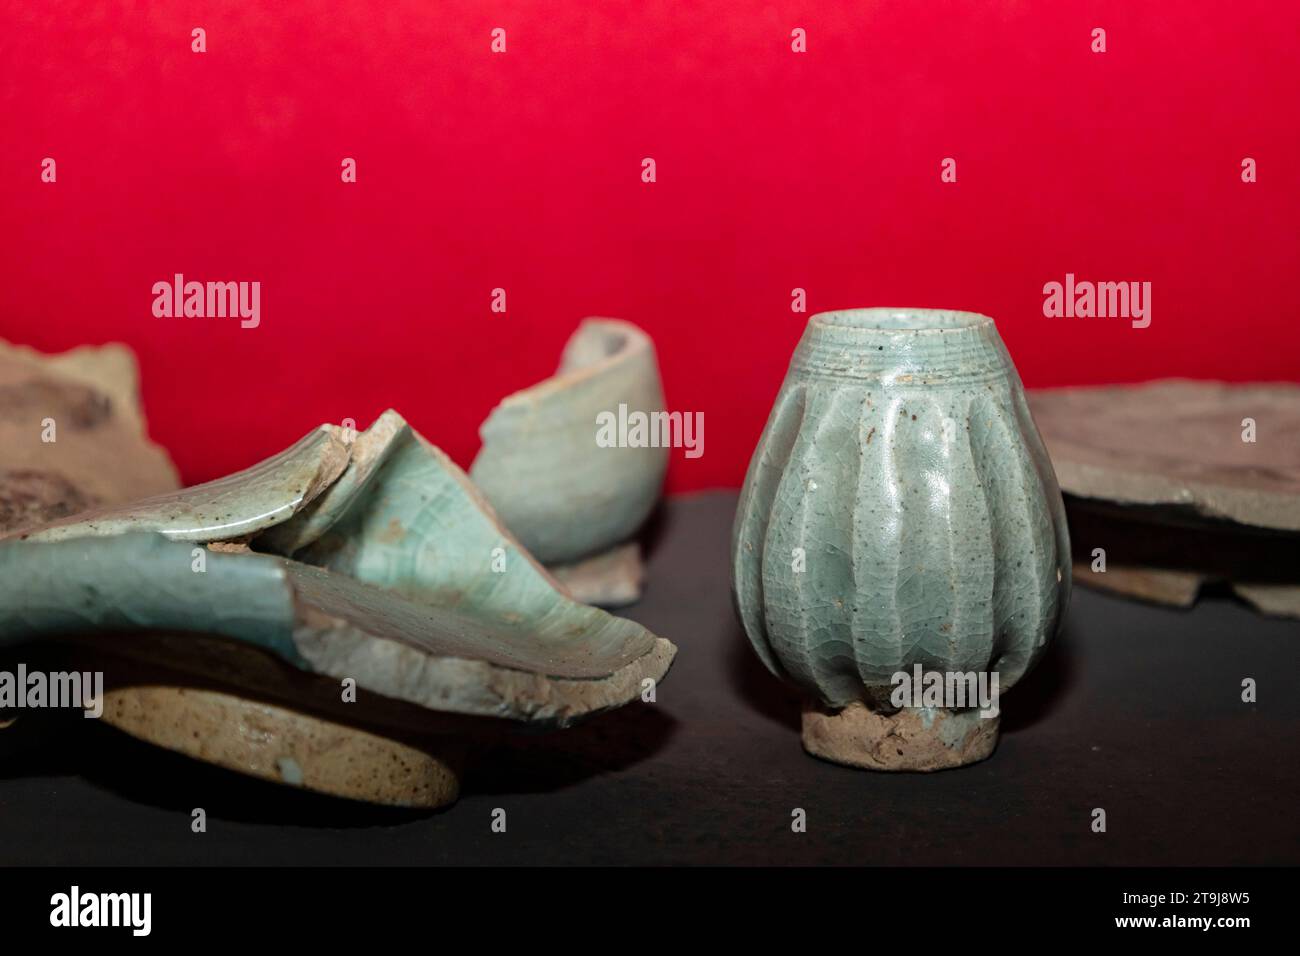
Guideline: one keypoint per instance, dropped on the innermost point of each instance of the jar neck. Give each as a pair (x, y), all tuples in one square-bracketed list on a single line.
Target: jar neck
[(902, 346)]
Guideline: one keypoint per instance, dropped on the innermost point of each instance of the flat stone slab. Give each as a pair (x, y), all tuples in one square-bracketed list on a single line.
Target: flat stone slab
[(1179, 442)]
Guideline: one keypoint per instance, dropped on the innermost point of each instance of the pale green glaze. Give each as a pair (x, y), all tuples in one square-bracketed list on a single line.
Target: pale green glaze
[(406, 582), (565, 497), (236, 506), (131, 582), (901, 458), (443, 658)]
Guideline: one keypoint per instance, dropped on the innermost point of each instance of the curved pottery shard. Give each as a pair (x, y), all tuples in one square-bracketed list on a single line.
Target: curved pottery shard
[(570, 664), (900, 512), (86, 400), (425, 570), (414, 590), (567, 498), (234, 507)]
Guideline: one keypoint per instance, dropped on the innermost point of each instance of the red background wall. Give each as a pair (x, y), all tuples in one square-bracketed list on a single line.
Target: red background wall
[(775, 170)]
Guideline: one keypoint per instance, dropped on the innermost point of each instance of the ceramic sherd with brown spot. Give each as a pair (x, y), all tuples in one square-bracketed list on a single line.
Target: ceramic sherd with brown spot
[(900, 510)]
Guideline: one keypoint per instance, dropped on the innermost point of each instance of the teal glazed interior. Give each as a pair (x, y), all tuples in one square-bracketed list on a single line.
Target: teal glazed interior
[(901, 468)]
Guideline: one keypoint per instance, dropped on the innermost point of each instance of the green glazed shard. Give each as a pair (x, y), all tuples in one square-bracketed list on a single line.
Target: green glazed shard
[(235, 507), (379, 561), (468, 661), (899, 510), (573, 503)]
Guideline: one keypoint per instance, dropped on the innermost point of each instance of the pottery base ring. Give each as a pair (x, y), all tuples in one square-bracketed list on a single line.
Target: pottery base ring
[(911, 739), (284, 746)]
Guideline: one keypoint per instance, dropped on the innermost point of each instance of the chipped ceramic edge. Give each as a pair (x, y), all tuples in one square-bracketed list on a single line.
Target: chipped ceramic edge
[(1256, 509), (143, 581), (1182, 589), (228, 508), (110, 369), (367, 453), (564, 497)]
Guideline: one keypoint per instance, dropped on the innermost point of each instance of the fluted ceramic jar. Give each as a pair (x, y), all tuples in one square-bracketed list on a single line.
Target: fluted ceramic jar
[(900, 516)]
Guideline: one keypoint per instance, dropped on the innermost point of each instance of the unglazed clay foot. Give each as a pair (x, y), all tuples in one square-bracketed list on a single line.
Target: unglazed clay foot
[(918, 739), (285, 746)]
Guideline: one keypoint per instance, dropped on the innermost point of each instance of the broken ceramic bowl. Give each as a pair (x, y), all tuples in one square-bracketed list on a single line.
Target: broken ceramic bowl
[(369, 558), (572, 503), (543, 659), (900, 521)]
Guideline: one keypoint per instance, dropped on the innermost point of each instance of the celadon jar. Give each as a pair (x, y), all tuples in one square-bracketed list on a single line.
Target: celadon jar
[(900, 519)]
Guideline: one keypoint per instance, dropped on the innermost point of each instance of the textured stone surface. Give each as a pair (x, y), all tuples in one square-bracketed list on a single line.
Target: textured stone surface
[(101, 454), (901, 466), (917, 740), (1178, 442)]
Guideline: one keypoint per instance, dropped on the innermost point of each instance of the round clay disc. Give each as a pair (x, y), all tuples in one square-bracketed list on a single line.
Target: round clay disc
[(282, 745)]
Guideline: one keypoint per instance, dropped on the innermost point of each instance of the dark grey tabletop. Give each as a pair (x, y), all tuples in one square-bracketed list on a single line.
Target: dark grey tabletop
[(1136, 709)]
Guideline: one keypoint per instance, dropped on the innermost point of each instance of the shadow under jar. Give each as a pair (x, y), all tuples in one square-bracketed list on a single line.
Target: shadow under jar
[(900, 516)]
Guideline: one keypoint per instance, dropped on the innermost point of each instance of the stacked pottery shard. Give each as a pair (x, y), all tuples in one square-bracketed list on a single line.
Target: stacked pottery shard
[(899, 510), (370, 558), (366, 558)]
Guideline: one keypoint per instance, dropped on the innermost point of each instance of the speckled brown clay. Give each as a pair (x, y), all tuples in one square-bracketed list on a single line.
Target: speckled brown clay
[(284, 746), (611, 579), (298, 498), (912, 739)]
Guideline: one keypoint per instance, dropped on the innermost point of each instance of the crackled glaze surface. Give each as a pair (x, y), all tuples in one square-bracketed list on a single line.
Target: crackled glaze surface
[(406, 582), (236, 506), (901, 458)]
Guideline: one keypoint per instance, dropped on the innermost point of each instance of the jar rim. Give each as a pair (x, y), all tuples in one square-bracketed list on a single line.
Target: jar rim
[(893, 319)]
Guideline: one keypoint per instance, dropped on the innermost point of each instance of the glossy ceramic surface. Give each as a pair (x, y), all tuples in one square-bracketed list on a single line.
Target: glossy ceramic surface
[(901, 470)]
